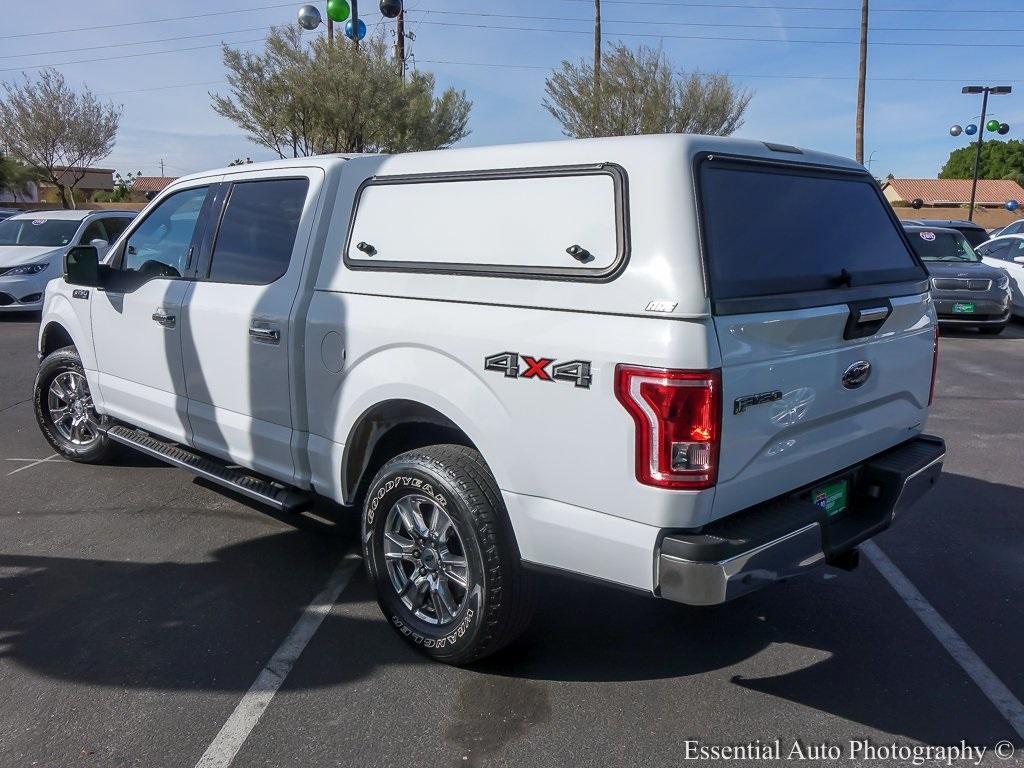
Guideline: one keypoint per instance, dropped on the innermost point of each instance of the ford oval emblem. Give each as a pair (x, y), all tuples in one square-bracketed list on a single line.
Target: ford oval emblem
[(857, 374)]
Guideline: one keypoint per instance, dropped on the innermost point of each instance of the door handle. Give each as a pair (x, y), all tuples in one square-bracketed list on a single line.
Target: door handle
[(265, 335), (164, 319), (872, 315)]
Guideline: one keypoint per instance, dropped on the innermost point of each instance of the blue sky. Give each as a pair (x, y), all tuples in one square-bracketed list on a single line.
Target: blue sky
[(805, 92)]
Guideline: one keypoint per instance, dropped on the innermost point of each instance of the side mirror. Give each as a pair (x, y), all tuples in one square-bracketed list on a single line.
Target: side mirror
[(82, 266), (99, 244)]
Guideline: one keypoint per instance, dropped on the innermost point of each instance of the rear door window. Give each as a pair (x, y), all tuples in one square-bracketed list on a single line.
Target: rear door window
[(257, 234), (775, 230)]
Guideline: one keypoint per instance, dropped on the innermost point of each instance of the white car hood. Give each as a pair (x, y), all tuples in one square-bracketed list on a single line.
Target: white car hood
[(13, 255)]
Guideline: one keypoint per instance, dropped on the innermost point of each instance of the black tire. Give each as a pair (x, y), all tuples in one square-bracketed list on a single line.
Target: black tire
[(992, 330), (96, 451), (498, 603)]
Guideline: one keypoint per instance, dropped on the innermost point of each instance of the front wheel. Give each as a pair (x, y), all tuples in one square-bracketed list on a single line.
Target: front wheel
[(440, 551), (65, 412)]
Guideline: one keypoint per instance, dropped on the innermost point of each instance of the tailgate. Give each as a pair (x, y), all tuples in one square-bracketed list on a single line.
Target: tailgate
[(824, 322), (796, 405)]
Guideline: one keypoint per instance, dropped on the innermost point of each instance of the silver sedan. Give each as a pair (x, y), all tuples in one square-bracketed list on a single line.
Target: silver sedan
[(33, 244)]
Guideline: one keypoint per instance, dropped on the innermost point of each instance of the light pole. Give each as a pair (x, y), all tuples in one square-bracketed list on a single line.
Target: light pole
[(995, 90)]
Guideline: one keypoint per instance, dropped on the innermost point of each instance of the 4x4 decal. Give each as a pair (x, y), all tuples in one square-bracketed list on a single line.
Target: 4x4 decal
[(508, 364)]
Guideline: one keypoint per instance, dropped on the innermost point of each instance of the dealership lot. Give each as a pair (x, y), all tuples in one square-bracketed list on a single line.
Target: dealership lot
[(138, 605)]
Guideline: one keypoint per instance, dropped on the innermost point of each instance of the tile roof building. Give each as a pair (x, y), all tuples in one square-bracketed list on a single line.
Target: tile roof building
[(952, 192)]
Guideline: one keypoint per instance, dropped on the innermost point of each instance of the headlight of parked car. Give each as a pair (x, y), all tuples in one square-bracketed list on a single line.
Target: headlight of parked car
[(1003, 282), (24, 269)]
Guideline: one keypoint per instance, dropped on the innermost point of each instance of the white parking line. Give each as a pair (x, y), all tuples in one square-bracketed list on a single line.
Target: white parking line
[(55, 458), (250, 709), (993, 688)]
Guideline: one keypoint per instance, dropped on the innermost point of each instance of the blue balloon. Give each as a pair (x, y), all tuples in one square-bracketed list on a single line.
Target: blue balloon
[(970, 130), (348, 29), (1012, 205)]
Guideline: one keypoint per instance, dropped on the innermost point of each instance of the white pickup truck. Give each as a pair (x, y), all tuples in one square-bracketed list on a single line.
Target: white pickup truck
[(684, 365)]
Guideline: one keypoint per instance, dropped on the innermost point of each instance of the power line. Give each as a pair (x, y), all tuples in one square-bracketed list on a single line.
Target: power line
[(140, 42), (162, 88), (128, 56), (662, 23), (499, 65), (668, 4), (147, 21), (730, 74), (725, 39), (531, 29)]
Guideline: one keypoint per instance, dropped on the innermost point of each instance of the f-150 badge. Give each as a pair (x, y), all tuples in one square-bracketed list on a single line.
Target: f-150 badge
[(540, 368), (742, 403)]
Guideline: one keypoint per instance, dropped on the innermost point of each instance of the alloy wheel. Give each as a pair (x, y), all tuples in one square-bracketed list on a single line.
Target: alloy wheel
[(426, 559), (70, 407)]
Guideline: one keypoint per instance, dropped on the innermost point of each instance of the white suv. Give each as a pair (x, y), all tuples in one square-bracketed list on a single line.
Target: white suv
[(684, 365)]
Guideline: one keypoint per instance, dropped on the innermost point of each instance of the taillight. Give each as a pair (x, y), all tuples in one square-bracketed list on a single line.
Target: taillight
[(678, 416), (935, 363)]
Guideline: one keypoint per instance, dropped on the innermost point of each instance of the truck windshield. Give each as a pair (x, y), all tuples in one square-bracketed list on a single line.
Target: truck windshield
[(38, 232), (774, 230), (942, 246)]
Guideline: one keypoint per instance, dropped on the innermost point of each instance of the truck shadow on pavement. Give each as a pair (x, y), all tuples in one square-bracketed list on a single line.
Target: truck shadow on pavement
[(846, 646)]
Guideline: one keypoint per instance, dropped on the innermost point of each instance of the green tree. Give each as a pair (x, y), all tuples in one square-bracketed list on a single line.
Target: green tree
[(641, 93), (999, 160), (56, 130), (122, 189), (298, 99), (15, 177)]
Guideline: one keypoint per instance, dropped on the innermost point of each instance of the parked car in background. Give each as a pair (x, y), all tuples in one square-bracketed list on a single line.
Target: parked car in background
[(6, 213), (975, 233), (33, 244), (1007, 253), (965, 290), (1013, 228)]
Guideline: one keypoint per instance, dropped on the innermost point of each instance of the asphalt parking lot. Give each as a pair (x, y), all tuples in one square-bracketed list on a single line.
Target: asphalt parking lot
[(139, 605)]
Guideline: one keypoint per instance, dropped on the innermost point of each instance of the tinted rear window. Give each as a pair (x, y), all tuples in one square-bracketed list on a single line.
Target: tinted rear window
[(257, 234), (769, 230)]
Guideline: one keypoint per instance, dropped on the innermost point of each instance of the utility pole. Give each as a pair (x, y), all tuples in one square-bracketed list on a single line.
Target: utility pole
[(862, 78), (355, 23), (998, 90), (597, 63), (161, 167), (400, 42)]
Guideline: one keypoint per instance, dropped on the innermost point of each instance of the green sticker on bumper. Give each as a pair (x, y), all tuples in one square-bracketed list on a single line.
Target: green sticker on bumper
[(963, 309), (831, 498)]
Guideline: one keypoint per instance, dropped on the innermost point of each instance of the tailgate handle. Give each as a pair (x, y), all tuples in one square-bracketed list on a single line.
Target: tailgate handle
[(872, 315), (866, 318)]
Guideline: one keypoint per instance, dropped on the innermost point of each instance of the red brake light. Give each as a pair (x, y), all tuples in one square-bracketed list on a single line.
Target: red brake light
[(935, 363), (678, 416)]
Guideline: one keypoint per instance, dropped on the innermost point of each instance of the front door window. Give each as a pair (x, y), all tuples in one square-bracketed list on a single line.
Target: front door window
[(162, 245)]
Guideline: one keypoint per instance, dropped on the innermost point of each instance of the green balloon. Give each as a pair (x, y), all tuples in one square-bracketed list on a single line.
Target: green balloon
[(992, 126), (338, 10)]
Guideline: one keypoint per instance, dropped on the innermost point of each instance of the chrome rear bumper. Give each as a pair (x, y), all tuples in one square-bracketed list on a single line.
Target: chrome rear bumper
[(790, 536)]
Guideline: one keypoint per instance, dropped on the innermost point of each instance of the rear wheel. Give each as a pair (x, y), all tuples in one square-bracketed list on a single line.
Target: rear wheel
[(992, 330), (440, 552), (65, 412)]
